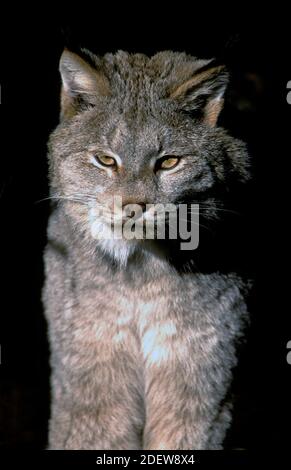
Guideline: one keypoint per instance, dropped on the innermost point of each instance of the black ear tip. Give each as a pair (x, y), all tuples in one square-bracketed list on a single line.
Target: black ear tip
[(214, 64)]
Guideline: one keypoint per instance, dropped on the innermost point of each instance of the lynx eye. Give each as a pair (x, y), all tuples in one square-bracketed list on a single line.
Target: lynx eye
[(167, 162), (105, 160)]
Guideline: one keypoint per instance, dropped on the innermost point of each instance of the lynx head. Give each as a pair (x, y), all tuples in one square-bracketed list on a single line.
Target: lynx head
[(143, 129)]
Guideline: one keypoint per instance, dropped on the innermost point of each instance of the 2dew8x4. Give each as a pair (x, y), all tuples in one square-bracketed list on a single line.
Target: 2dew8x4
[(171, 459)]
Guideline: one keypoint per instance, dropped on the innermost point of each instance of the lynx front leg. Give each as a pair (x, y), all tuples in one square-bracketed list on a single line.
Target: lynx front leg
[(87, 413), (96, 377), (97, 390), (189, 365), (183, 400)]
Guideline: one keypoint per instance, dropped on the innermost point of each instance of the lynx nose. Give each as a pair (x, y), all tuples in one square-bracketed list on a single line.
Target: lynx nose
[(142, 205), (132, 209)]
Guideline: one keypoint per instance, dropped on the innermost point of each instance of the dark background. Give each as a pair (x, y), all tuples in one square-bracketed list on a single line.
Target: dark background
[(256, 111)]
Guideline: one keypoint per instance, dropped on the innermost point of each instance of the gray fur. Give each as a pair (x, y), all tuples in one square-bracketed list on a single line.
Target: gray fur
[(141, 355)]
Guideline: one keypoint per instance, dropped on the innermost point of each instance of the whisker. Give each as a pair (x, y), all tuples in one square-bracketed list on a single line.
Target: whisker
[(76, 196), (195, 223), (64, 198), (213, 208)]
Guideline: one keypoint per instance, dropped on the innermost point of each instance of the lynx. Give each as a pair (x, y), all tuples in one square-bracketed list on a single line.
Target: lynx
[(143, 344)]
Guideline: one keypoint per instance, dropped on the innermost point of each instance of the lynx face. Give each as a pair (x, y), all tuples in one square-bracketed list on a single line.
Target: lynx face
[(142, 130)]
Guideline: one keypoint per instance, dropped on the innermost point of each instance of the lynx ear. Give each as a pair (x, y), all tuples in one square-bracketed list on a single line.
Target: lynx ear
[(202, 94), (81, 82)]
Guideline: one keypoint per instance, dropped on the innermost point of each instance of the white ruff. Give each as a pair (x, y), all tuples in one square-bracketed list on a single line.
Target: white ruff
[(119, 249)]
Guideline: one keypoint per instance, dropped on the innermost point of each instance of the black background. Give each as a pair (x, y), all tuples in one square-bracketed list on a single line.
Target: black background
[(256, 111)]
